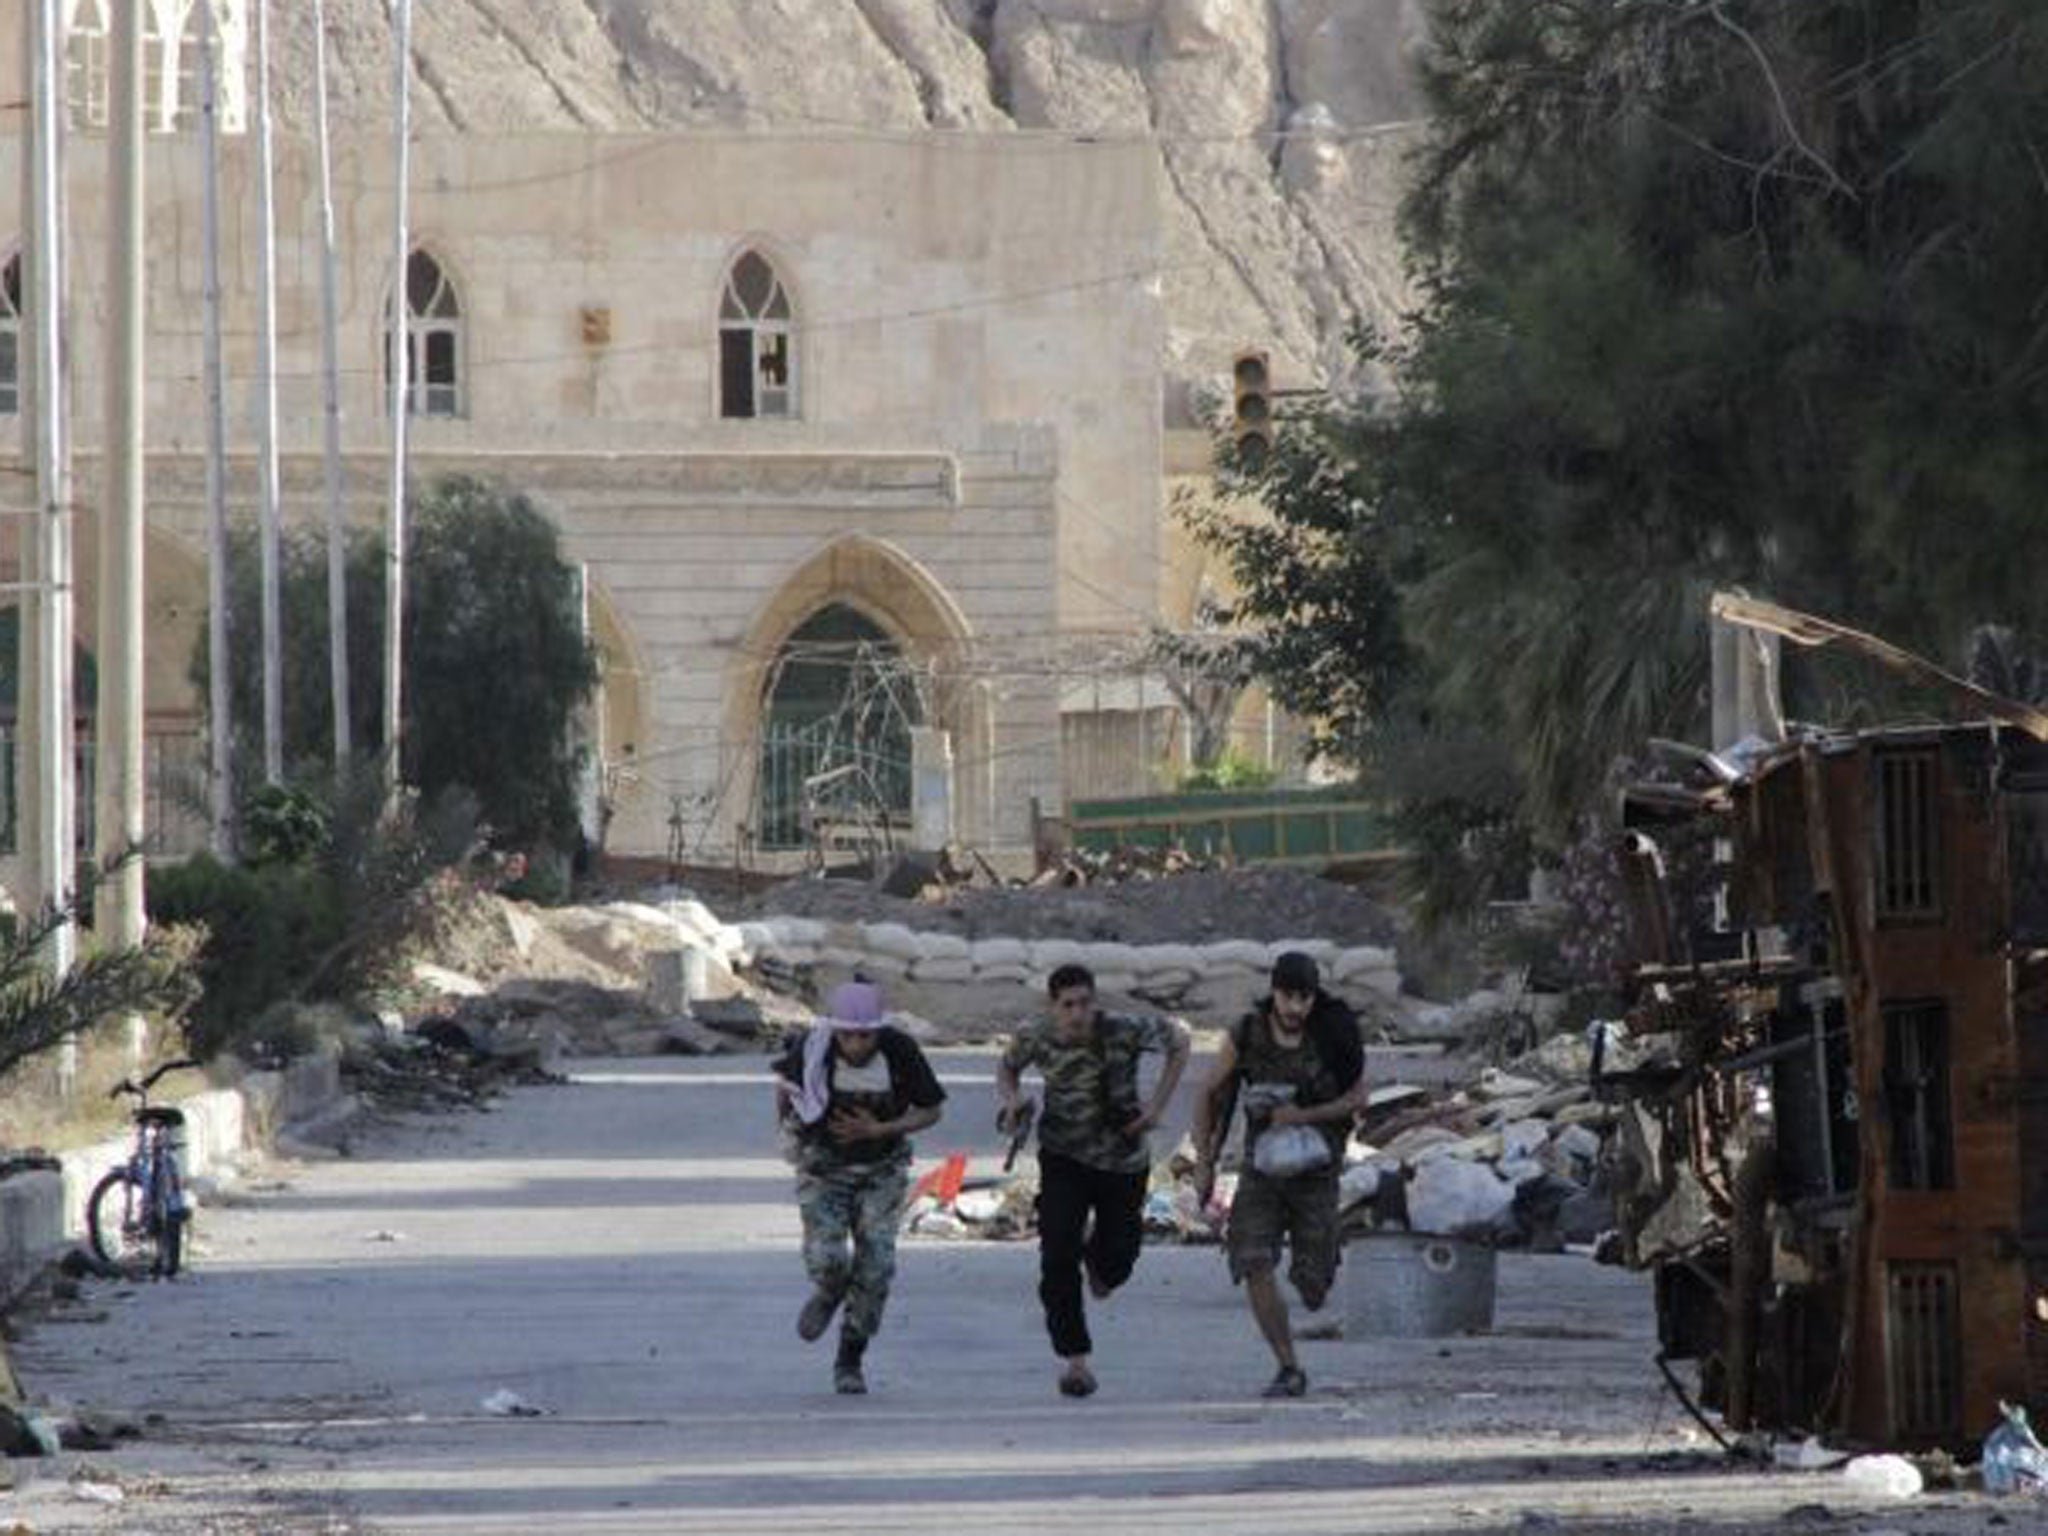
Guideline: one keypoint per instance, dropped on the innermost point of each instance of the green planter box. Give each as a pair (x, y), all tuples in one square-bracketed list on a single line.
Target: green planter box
[(1295, 826)]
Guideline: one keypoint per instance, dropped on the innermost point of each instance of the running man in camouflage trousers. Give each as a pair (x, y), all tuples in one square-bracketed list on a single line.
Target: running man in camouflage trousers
[(853, 1090), (1093, 1160)]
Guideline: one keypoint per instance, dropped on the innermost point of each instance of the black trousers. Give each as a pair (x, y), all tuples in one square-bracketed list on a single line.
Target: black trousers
[(1068, 1193)]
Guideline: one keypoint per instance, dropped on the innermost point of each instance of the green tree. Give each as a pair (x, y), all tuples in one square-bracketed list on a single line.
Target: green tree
[(303, 612), (495, 660), (1714, 293)]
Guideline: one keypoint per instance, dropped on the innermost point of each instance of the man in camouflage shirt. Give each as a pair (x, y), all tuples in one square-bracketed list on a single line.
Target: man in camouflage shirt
[(1092, 1154)]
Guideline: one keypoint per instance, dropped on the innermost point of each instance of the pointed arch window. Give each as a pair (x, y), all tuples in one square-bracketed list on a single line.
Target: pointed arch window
[(756, 356), (171, 68), (433, 340), (85, 65), (10, 337)]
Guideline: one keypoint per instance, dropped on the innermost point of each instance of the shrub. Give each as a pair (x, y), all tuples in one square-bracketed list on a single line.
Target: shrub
[(266, 931), (1233, 770)]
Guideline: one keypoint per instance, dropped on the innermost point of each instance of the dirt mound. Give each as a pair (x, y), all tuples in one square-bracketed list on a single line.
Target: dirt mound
[(1260, 904), (491, 938)]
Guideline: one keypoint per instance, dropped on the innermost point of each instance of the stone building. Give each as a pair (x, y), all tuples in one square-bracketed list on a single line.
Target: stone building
[(853, 432)]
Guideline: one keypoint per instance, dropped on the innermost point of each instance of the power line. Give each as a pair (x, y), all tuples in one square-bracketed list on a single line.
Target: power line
[(801, 327)]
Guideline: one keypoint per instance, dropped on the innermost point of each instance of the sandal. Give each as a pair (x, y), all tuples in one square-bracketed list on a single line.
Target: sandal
[(1077, 1381), (1288, 1381)]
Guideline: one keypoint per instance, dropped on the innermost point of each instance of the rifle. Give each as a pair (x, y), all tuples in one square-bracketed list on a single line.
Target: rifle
[(1020, 1131)]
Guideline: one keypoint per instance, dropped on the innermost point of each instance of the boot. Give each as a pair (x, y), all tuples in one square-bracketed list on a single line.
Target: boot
[(847, 1379)]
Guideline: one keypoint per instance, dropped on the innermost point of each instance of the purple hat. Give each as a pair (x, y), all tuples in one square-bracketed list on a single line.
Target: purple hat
[(855, 1005)]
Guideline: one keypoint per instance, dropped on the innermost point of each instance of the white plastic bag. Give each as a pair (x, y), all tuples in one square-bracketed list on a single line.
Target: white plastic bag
[(2014, 1461), (1883, 1477), (1287, 1150)]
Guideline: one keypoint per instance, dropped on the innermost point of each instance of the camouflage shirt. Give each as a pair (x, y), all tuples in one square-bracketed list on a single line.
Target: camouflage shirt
[(1091, 1089)]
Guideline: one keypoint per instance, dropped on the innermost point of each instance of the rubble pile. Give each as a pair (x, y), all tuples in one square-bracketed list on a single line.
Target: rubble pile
[(439, 1064), (1115, 866), (1515, 1158), (1194, 906), (633, 977)]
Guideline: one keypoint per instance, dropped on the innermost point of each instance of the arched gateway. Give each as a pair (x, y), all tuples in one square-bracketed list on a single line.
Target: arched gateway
[(858, 652)]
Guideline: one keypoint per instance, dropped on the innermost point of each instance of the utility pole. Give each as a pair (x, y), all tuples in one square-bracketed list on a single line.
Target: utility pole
[(266, 386), (337, 547), (51, 592), (401, 389), (117, 751), (25, 747), (219, 710)]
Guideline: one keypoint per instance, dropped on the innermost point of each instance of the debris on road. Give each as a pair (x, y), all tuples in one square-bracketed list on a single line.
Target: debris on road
[(505, 1403)]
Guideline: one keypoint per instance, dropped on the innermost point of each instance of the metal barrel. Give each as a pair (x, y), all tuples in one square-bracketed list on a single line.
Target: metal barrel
[(1416, 1285)]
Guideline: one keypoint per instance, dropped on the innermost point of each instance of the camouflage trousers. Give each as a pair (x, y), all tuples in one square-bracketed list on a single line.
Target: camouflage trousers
[(850, 1212)]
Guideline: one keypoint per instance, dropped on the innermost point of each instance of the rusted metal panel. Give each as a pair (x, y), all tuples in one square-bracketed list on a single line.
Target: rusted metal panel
[(1891, 887)]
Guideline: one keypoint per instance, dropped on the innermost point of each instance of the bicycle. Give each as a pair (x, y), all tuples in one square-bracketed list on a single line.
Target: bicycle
[(137, 1213)]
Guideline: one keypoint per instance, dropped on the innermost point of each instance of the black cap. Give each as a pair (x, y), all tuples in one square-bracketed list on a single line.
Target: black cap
[(1296, 972)]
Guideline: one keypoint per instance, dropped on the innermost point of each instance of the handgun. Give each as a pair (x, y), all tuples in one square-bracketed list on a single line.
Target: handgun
[(1021, 1121)]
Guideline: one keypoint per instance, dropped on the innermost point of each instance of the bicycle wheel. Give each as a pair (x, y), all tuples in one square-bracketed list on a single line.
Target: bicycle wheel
[(117, 1224)]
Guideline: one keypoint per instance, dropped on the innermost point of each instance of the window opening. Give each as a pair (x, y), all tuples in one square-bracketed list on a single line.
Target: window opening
[(85, 66), (1923, 1343), (1908, 846), (1917, 1096), (10, 337), (755, 370), (433, 340), (174, 70)]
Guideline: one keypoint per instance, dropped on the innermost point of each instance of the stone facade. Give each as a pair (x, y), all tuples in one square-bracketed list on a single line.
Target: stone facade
[(971, 459)]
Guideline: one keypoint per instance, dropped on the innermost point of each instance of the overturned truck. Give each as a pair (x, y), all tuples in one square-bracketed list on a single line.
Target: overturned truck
[(1833, 1149)]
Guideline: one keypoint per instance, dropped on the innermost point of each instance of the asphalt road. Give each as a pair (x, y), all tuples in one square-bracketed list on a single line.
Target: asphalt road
[(620, 1253)]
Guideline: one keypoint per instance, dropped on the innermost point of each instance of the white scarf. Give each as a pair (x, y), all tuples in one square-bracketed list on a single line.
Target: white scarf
[(814, 1093)]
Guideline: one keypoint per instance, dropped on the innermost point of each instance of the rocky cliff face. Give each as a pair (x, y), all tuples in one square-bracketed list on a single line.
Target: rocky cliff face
[(1281, 123)]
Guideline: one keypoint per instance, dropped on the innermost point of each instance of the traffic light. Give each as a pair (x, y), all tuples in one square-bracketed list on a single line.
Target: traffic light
[(1251, 412)]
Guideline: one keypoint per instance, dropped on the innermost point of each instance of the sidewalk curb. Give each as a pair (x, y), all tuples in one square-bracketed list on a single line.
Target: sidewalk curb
[(42, 1212)]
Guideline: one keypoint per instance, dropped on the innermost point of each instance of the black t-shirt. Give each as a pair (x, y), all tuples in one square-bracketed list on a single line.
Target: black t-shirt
[(897, 1077), (1325, 1066)]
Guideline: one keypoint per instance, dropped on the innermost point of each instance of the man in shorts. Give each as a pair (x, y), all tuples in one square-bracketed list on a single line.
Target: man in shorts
[(1295, 1060)]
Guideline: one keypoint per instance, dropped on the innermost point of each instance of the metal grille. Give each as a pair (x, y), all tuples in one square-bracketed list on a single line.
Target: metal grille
[(1908, 845), (174, 793), (876, 788), (1916, 1087), (1923, 1346)]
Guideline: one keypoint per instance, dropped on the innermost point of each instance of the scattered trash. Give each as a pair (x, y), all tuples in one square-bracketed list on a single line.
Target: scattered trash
[(943, 1182), (98, 1493), (979, 1205), (2014, 1461), (509, 1404), (385, 1235), (936, 1221), (1807, 1455), (89, 1433), (1883, 1477)]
